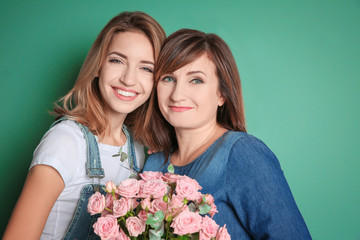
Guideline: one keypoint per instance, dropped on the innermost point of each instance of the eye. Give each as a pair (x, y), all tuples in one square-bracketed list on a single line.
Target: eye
[(168, 79), (115, 60), (147, 69), (197, 81)]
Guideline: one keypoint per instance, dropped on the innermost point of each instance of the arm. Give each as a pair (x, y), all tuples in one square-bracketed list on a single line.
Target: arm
[(260, 195), (41, 189)]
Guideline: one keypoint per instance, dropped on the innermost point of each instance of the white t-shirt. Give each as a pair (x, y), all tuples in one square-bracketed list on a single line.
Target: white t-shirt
[(63, 147)]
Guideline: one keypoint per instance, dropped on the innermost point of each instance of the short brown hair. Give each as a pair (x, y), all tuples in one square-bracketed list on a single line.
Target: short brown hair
[(181, 48), (83, 102)]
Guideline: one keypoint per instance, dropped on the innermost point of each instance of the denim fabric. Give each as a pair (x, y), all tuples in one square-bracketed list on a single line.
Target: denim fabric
[(82, 222), (81, 225), (249, 187)]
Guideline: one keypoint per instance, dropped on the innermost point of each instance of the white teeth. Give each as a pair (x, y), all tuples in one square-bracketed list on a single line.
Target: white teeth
[(125, 94)]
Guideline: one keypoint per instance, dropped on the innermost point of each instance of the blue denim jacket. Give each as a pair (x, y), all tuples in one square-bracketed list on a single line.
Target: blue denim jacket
[(249, 187)]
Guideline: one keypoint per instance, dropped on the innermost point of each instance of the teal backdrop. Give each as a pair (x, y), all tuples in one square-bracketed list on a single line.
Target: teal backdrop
[(300, 67)]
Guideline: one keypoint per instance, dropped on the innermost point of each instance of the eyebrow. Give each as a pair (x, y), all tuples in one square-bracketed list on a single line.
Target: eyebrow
[(195, 72), (124, 56)]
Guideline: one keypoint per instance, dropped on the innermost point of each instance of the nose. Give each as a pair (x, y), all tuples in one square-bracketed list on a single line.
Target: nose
[(128, 77), (178, 93)]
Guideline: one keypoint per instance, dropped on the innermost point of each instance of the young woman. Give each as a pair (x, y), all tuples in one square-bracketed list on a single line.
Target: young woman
[(91, 144), (197, 118)]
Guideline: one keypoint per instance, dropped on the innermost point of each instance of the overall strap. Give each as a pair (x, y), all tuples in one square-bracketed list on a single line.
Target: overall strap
[(131, 150), (93, 162), (59, 120)]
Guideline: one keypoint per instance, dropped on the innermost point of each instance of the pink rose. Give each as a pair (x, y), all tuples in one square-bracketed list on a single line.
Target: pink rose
[(188, 188), (146, 203), (135, 226), (176, 203), (122, 236), (110, 186), (153, 188), (158, 205), (223, 234), (146, 176), (106, 227), (128, 188), (96, 203), (133, 203), (202, 236), (209, 228), (213, 210), (109, 199), (211, 201), (170, 177), (143, 215), (186, 222), (121, 207)]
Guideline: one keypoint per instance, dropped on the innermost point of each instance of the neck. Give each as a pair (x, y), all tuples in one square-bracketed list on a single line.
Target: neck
[(192, 143), (115, 136)]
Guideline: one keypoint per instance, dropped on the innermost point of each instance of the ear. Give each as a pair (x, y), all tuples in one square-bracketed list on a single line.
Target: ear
[(98, 73), (221, 99)]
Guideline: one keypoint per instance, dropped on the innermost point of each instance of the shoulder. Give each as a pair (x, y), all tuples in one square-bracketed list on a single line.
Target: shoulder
[(63, 147), (65, 129), (246, 141), (157, 157), (63, 135), (155, 162), (248, 150)]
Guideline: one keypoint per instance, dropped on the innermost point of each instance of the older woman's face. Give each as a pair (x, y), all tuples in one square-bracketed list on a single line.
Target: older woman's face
[(189, 97)]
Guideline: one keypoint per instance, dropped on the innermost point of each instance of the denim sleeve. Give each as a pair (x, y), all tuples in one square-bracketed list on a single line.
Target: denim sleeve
[(259, 193)]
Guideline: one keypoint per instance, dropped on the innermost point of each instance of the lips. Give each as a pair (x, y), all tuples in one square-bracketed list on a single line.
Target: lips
[(123, 94), (179, 108)]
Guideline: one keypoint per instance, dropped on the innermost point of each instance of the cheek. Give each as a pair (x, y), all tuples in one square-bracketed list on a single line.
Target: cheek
[(209, 102), (102, 86), (148, 86), (161, 94)]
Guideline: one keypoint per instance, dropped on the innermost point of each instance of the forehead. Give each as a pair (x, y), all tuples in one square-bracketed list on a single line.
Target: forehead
[(202, 63), (130, 40)]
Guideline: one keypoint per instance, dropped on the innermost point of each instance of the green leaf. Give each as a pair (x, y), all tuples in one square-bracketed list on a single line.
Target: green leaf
[(150, 220), (204, 208), (192, 207), (116, 155), (154, 219), (123, 157), (156, 234), (171, 168), (159, 215)]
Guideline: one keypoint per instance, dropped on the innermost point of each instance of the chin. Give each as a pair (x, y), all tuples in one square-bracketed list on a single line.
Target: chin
[(181, 125)]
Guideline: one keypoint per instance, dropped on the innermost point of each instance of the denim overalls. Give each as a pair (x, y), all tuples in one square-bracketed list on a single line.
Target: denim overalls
[(81, 225)]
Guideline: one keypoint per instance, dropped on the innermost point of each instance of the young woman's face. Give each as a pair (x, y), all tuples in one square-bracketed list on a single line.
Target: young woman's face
[(189, 97), (126, 76)]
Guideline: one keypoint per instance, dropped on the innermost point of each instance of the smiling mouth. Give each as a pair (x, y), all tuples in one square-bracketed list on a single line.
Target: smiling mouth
[(179, 109), (125, 93)]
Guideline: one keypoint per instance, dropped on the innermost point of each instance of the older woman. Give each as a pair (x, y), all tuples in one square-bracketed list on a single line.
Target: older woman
[(197, 117)]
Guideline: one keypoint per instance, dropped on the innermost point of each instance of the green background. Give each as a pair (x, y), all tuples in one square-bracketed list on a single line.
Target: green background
[(300, 68)]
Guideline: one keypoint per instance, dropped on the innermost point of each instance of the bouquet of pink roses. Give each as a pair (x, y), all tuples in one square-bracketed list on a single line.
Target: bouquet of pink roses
[(159, 206)]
